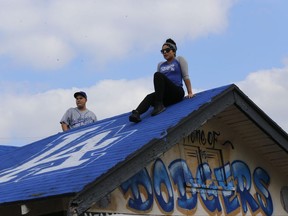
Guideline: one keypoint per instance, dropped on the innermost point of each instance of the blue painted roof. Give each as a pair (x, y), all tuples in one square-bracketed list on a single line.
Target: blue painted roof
[(5, 149), (67, 162)]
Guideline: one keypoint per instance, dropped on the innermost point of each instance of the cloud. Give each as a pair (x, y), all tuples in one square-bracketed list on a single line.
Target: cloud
[(46, 36), (113, 97), (37, 115), (33, 116), (42, 52), (285, 61), (50, 34), (268, 89)]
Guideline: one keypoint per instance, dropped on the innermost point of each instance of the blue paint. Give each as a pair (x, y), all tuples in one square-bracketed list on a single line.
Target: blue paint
[(140, 179), (242, 175), (208, 193), (161, 177), (233, 185), (261, 182), (231, 202), (181, 175)]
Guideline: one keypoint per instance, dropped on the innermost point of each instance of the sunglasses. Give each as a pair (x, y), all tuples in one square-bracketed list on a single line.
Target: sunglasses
[(167, 50)]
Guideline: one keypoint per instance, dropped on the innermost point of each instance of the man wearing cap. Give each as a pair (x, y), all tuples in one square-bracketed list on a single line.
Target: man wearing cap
[(78, 116)]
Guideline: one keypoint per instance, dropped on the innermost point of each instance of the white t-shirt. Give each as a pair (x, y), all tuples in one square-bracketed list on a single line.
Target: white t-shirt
[(76, 118)]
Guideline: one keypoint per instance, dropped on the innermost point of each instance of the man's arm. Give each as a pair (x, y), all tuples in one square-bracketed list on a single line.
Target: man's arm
[(64, 126)]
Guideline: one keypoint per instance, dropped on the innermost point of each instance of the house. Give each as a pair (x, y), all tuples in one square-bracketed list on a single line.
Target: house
[(215, 154)]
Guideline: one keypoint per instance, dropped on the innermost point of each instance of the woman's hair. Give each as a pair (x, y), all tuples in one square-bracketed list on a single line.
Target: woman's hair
[(171, 43)]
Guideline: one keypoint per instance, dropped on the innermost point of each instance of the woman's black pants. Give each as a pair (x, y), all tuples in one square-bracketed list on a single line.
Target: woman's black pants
[(166, 93)]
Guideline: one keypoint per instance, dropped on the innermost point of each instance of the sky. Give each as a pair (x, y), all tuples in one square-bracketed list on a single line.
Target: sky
[(110, 49)]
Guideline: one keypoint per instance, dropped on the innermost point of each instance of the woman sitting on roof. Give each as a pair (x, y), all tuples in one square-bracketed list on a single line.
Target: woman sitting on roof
[(167, 83)]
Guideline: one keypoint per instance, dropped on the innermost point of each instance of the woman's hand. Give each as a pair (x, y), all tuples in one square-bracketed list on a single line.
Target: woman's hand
[(189, 88), (190, 95)]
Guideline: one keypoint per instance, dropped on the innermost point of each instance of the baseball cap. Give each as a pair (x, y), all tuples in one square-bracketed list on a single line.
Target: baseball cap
[(83, 94)]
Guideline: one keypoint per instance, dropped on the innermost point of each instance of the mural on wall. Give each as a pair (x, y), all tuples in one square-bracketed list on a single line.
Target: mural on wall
[(199, 178)]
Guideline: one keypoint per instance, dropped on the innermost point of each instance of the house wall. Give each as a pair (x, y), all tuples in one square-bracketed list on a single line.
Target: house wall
[(213, 171)]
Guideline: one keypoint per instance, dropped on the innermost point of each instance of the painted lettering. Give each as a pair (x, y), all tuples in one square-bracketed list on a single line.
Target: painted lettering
[(242, 175), (261, 181), (208, 191), (225, 181), (161, 180), (142, 178), (199, 136), (233, 183), (182, 176)]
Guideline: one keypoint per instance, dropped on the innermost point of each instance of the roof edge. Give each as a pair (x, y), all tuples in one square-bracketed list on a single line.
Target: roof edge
[(261, 119)]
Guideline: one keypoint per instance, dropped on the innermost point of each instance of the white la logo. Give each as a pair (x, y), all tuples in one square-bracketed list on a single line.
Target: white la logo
[(67, 151)]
